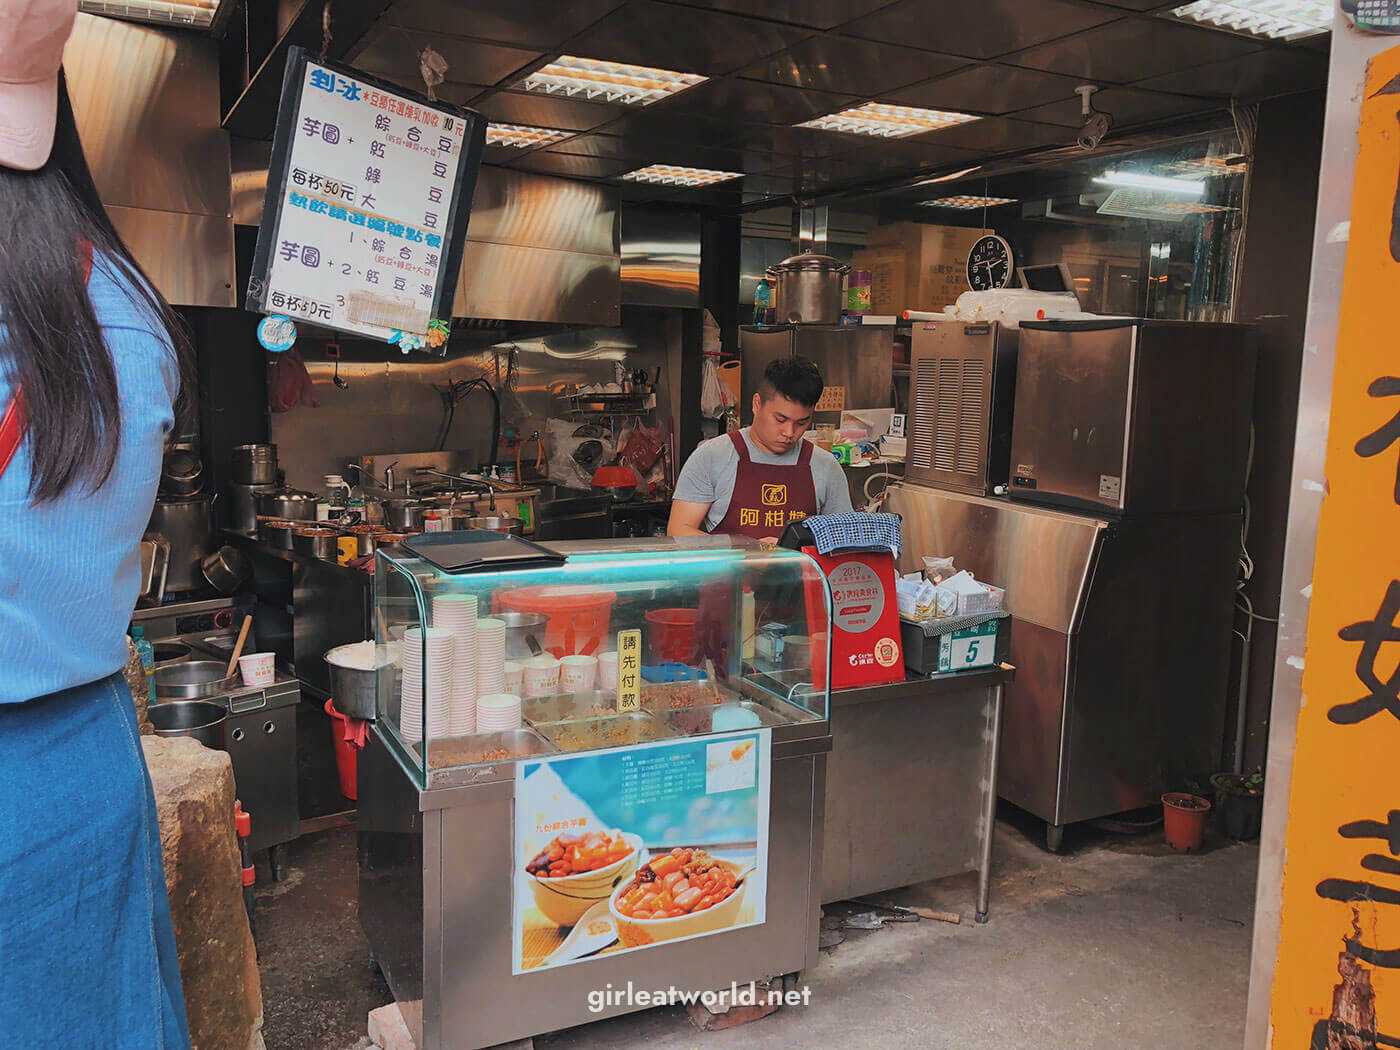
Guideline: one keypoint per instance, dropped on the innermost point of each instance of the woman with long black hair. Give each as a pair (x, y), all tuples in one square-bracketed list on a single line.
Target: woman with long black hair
[(92, 368)]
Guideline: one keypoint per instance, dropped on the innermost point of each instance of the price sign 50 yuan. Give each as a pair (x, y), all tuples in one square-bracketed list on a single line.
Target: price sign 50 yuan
[(368, 194)]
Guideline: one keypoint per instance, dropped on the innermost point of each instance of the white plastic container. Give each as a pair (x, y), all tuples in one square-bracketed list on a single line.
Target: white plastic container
[(258, 669)]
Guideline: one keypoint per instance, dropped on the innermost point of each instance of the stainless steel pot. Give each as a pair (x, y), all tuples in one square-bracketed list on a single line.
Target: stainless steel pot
[(289, 505), (226, 569), (392, 539), (186, 523), (243, 501), (521, 630), (807, 289), (316, 543), (193, 679), (277, 532), (353, 688), (200, 719), (366, 542), (181, 473), (170, 652), (491, 523), (255, 465), (404, 515)]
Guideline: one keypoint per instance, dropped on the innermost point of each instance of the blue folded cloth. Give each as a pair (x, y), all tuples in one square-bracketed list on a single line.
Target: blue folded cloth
[(856, 531)]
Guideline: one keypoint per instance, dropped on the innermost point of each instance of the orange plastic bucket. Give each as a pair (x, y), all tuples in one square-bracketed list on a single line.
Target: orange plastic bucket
[(578, 616), (346, 755), (671, 635)]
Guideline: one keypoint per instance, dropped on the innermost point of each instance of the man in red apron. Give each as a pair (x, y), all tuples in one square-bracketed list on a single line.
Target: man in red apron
[(756, 480), (753, 483)]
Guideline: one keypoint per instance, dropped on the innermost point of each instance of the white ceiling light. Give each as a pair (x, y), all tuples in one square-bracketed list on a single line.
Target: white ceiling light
[(887, 122), (968, 203), (675, 175), (522, 135), (611, 81), (1137, 180), (1155, 206), (196, 13), (1276, 19)]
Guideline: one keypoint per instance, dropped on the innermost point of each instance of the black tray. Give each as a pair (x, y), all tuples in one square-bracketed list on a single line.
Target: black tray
[(475, 550)]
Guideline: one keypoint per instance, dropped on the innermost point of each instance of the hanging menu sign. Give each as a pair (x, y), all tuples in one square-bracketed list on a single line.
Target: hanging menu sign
[(368, 194)]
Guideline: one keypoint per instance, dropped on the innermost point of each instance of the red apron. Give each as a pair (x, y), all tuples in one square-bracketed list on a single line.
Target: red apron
[(12, 422), (767, 496)]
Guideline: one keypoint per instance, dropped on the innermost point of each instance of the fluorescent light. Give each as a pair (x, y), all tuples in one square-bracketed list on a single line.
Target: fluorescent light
[(522, 135), (1138, 181), (1276, 19), (611, 81), (887, 122), (968, 203), (1155, 206), (197, 13), (675, 175)]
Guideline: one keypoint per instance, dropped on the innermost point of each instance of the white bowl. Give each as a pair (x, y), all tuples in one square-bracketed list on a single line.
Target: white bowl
[(635, 932), (564, 900)]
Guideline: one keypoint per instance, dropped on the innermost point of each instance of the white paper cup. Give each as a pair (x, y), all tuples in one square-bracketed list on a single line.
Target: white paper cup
[(577, 673), (607, 670), (515, 676), (541, 676), (258, 668)]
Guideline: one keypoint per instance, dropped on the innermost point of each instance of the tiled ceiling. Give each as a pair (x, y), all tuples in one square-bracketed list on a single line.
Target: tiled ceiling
[(774, 63)]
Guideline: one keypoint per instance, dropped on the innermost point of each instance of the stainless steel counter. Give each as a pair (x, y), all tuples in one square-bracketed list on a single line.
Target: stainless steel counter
[(911, 783)]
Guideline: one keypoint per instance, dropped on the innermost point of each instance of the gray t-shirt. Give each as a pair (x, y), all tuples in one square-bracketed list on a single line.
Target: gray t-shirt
[(708, 476)]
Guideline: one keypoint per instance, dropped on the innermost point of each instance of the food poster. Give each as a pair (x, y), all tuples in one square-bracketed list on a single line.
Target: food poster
[(622, 849)]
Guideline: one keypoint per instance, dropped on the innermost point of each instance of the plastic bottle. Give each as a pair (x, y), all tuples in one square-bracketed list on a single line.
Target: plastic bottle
[(762, 300), (147, 652)]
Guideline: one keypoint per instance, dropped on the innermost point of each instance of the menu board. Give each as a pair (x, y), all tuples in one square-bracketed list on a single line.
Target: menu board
[(619, 850), (368, 194)]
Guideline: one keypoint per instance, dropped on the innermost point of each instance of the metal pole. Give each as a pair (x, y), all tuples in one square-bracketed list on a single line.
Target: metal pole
[(989, 807)]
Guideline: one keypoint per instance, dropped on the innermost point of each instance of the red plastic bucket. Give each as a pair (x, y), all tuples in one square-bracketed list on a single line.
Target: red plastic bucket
[(671, 635), (578, 616), (346, 754)]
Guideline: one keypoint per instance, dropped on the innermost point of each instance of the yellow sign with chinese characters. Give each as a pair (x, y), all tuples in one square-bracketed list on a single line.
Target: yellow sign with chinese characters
[(629, 671)]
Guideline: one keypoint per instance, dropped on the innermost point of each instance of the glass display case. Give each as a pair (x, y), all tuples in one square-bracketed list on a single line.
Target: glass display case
[(481, 668)]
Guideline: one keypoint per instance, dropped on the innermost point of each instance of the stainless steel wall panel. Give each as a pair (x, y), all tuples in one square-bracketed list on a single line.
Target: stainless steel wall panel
[(516, 283), (537, 211), (660, 257), (248, 160), (147, 106), (188, 257)]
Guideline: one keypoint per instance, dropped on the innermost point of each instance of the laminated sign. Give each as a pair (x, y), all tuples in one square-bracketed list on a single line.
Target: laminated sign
[(368, 194)]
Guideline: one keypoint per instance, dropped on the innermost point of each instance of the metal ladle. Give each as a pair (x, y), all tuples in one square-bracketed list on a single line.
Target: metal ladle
[(343, 384)]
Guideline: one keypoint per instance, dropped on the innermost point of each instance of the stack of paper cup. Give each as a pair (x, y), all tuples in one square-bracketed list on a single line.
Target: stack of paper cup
[(497, 712), (490, 656), (607, 670), (457, 613), (426, 688), (515, 677), (541, 675)]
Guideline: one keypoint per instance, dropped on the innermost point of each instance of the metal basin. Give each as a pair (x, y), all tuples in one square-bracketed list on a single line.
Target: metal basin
[(494, 523), (200, 719), (521, 629), (193, 680)]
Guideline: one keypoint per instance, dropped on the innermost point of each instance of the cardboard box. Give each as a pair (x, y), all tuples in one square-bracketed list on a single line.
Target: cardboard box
[(934, 264)]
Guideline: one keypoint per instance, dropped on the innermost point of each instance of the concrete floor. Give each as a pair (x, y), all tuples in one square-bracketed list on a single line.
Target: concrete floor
[(1114, 943)]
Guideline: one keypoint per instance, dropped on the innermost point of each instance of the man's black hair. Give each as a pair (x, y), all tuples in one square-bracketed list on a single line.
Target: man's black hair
[(796, 378)]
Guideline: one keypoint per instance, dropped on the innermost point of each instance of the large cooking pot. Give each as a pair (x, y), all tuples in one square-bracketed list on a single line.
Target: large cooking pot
[(193, 680), (201, 719), (187, 524), (226, 569), (353, 686), (277, 532), (181, 473), (807, 289), (289, 505), (255, 465), (243, 503), (404, 515), (316, 543)]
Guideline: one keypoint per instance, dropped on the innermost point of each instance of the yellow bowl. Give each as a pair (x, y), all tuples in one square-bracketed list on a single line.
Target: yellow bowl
[(635, 932), (565, 899)]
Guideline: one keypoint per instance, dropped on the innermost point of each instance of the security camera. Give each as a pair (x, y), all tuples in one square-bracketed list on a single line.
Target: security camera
[(1093, 131), (1096, 124)]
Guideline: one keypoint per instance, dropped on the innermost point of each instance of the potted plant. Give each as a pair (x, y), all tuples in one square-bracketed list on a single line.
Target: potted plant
[(1239, 804), (1184, 820)]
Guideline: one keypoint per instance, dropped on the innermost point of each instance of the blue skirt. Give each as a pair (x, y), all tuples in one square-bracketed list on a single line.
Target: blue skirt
[(87, 949)]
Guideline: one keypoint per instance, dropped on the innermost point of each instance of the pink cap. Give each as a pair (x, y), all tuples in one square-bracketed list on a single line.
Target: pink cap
[(32, 35)]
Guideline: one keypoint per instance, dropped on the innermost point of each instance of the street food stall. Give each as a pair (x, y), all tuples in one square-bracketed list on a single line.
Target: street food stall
[(582, 755)]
